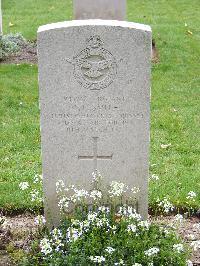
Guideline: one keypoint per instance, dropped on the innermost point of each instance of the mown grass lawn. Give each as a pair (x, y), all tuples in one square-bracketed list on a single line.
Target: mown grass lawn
[(20, 138), (175, 115), (26, 16)]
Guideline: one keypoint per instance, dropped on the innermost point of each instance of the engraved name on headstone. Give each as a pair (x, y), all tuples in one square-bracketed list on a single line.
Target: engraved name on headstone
[(94, 79), (100, 9)]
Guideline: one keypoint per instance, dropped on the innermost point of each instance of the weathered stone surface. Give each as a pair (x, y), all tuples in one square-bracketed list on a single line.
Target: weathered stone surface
[(100, 9), (94, 79)]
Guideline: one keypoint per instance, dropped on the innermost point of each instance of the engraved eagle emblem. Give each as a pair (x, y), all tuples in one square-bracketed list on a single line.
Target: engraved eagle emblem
[(94, 67)]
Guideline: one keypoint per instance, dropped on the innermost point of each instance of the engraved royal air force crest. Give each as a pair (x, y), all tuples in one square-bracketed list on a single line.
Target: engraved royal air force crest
[(95, 68)]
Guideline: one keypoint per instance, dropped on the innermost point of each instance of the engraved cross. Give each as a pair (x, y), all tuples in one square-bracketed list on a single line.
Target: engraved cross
[(95, 157)]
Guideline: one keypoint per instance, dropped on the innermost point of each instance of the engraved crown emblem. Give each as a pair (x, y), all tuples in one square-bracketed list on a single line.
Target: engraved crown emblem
[(94, 41)]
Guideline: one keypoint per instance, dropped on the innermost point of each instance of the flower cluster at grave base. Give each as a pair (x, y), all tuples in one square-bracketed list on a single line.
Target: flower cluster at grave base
[(98, 238), (33, 192), (110, 234), (115, 192)]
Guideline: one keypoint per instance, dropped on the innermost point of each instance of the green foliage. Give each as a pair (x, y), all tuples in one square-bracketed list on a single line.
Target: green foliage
[(27, 15), (103, 238), (17, 255), (11, 43)]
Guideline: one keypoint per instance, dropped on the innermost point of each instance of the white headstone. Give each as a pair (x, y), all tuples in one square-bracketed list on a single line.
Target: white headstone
[(94, 79), (100, 9)]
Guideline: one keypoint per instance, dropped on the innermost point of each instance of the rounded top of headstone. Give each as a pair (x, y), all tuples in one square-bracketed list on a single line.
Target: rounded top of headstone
[(94, 22)]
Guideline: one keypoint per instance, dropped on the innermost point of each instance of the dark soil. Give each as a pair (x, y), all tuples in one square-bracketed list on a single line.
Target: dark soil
[(186, 230), (155, 55), (28, 54), (20, 230), (17, 235)]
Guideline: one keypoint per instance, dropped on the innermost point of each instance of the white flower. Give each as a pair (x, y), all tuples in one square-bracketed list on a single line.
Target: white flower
[(165, 146), (63, 203), (135, 216), (104, 209), (57, 239), (73, 234), (191, 195), (195, 245), (166, 232), (40, 220), (56, 233), (154, 177), (189, 263), (132, 228), (6, 159), (110, 250), (86, 225), (137, 264), (121, 262), (45, 246), (196, 226), (178, 218), (166, 205), (23, 185), (91, 216), (101, 222), (58, 243), (75, 222), (35, 195), (113, 228), (96, 194), (178, 247), (37, 178), (144, 224), (79, 194), (59, 186), (97, 259), (117, 189), (135, 190), (152, 251), (129, 212), (96, 176)]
